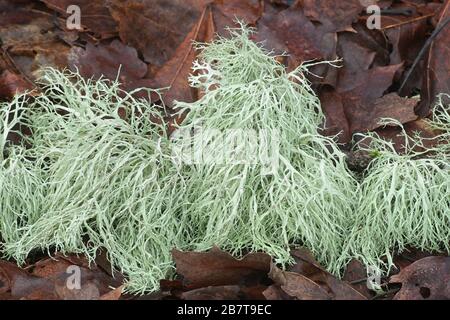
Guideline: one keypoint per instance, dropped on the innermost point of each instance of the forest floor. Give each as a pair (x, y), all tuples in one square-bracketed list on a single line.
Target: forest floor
[(388, 61)]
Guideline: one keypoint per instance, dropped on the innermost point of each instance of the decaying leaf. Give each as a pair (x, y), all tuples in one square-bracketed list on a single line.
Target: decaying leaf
[(155, 27), (107, 60), (292, 32), (388, 106), (335, 15), (361, 103), (428, 278), (337, 289), (307, 280), (356, 275), (213, 293), (33, 43), (175, 73), (420, 127), (406, 34), (216, 268), (437, 69), (12, 84), (297, 285), (50, 279), (225, 13)]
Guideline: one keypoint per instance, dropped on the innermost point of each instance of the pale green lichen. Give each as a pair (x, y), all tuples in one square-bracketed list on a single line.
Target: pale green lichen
[(21, 187), (105, 181), (403, 199), (305, 198)]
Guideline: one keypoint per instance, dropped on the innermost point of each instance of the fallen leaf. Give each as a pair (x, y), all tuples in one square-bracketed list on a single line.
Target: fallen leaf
[(255, 292), (170, 285), (175, 73), (17, 12), (357, 57), (113, 294), (406, 34), (12, 84), (372, 40), (21, 284), (103, 262), (218, 268), (336, 289), (107, 60), (274, 292), (297, 285), (358, 104), (47, 280), (88, 291), (155, 28), (28, 287), (363, 100), (213, 293), (336, 121), (409, 256), (426, 279), (8, 274), (334, 15), (420, 127), (292, 32), (356, 275), (33, 44), (225, 13), (389, 106), (437, 70)]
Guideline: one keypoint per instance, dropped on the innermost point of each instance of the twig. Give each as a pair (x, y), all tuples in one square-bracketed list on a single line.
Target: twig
[(9, 60), (396, 25)]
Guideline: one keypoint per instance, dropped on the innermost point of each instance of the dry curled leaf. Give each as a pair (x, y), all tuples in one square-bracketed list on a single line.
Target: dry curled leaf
[(428, 278), (336, 289), (296, 285)]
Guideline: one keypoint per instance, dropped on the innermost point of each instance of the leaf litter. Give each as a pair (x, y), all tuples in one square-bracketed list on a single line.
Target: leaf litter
[(354, 98)]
